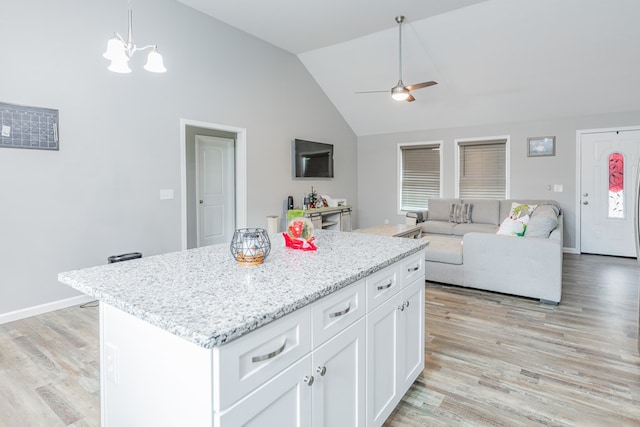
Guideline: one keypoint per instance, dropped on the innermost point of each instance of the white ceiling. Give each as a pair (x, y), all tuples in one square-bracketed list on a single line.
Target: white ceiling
[(495, 61)]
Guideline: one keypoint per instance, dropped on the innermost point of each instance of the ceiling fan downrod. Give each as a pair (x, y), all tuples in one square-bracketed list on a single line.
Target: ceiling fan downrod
[(399, 92)]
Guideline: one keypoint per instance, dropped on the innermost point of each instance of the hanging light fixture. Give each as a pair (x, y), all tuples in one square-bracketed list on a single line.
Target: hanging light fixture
[(120, 51)]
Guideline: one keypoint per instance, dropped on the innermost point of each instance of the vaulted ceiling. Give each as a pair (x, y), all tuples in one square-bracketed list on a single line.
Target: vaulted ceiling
[(495, 61)]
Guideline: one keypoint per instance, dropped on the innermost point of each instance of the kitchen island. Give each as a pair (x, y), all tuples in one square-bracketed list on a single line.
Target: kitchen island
[(330, 337)]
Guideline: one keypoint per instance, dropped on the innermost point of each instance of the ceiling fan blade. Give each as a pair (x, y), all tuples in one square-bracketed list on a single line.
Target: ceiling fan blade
[(374, 91), (410, 98), (421, 85)]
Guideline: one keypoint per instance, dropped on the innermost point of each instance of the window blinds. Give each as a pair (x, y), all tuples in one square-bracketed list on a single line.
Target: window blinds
[(420, 177), (482, 169)]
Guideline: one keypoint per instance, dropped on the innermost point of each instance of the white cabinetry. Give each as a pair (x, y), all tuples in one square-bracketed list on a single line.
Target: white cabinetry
[(395, 341), (325, 388), (344, 360), (338, 218)]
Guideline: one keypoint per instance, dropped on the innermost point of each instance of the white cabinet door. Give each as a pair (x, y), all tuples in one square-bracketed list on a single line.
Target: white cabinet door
[(395, 350), (340, 384), (382, 360), (411, 334), (284, 401)]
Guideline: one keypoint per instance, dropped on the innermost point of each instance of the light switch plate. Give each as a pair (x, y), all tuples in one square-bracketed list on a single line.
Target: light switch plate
[(558, 188), (166, 194)]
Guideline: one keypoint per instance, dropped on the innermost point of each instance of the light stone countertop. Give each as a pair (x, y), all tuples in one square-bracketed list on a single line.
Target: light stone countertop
[(204, 296)]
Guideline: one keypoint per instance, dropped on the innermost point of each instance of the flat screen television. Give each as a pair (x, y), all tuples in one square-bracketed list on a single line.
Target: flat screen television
[(312, 159)]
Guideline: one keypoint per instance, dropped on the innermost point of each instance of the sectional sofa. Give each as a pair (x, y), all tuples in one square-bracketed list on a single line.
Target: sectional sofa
[(474, 243)]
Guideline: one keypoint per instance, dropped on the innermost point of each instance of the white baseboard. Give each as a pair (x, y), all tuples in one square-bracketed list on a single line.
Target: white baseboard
[(44, 308), (571, 251)]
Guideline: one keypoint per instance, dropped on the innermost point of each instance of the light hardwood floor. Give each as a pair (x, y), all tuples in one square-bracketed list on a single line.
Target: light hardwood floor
[(491, 359)]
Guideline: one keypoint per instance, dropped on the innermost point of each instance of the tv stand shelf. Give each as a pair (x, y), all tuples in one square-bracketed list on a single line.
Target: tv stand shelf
[(334, 218)]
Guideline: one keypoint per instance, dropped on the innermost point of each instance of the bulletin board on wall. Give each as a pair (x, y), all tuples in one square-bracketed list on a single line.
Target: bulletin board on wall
[(28, 127)]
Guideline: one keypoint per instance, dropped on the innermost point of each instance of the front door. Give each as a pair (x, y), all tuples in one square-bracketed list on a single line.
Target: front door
[(215, 189), (609, 167)]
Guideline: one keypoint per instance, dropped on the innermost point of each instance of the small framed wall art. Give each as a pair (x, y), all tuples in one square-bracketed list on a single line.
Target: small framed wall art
[(540, 146)]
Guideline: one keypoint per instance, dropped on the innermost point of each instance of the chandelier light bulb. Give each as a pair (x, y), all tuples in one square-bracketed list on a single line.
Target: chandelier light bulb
[(119, 65), (154, 62)]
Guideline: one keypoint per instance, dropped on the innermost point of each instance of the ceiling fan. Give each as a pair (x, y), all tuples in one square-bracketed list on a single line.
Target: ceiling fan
[(400, 92)]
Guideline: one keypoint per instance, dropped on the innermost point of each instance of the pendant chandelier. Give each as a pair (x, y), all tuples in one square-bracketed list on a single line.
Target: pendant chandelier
[(120, 51)]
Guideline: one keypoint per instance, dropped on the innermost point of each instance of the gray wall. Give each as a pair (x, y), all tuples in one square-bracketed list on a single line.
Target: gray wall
[(377, 164), (120, 134)]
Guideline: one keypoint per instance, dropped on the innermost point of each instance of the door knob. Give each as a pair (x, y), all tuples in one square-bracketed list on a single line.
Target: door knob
[(585, 195), (201, 202), (585, 203)]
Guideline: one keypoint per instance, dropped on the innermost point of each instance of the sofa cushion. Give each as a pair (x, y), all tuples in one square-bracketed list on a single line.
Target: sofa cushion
[(485, 211), (439, 209), (438, 227), (543, 221), (445, 249), (462, 229)]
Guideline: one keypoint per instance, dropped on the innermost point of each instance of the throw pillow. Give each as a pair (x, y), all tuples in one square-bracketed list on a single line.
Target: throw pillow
[(544, 220), (516, 223), (460, 212)]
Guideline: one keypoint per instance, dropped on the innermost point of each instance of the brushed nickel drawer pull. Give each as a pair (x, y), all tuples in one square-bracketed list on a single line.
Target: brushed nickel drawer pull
[(387, 286), (256, 359), (416, 268), (341, 312)]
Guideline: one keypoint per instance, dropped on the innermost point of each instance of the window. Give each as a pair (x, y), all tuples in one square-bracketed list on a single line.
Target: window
[(419, 174), (616, 186), (483, 168)]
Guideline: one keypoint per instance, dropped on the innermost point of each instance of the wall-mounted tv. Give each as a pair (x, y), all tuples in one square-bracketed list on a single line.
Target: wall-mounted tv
[(312, 159)]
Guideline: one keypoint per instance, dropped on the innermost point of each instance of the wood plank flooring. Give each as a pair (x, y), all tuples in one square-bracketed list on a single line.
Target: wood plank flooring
[(497, 360), (491, 359)]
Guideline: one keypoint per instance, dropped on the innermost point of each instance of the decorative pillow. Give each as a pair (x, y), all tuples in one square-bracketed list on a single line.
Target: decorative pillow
[(544, 220), (516, 223), (460, 212)]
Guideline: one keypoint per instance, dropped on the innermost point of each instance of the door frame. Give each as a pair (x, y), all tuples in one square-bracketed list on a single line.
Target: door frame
[(241, 172), (578, 194)]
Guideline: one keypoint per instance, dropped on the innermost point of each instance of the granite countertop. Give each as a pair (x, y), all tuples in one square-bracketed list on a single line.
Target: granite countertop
[(204, 296)]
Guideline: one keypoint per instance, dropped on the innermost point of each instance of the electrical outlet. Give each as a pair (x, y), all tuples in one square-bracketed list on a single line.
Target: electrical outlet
[(111, 362)]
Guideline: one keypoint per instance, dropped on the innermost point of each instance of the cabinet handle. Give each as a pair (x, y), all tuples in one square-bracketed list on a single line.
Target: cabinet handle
[(401, 307), (388, 285), (406, 303), (309, 380), (256, 359), (322, 370), (340, 313), (416, 268)]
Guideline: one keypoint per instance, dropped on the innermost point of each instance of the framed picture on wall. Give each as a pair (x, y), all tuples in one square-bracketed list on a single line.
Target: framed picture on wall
[(540, 146)]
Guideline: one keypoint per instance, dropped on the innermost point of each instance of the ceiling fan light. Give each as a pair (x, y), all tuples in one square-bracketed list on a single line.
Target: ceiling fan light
[(400, 93)]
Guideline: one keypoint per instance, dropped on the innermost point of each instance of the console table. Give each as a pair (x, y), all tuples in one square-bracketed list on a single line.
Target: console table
[(335, 218), (394, 230)]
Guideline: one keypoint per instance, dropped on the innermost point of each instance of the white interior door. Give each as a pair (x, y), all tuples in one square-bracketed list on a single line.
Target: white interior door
[(609, 166), (215, 189)]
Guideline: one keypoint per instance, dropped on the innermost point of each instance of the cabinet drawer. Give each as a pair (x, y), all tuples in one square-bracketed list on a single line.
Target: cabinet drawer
[(382, 285), (335, 312), (244, 364), (412, 268)]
